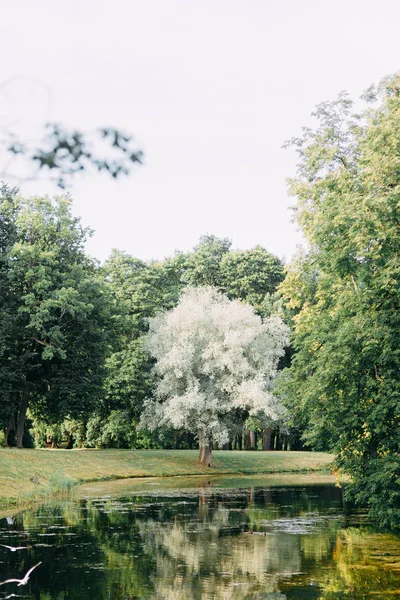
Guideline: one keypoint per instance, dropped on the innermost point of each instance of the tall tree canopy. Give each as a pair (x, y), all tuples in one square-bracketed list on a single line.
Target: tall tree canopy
[(344, 380), (214, 357), (203, 265), (251, 276), (55, 309)]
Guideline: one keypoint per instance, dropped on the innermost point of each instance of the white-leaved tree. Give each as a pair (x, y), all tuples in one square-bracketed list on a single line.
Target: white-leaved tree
[(215, 358)]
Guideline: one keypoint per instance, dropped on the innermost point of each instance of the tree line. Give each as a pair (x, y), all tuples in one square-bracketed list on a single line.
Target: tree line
[(75, 359), (73, 367)]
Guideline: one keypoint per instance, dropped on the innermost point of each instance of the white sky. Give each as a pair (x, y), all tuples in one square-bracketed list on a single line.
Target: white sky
[(210, 88)]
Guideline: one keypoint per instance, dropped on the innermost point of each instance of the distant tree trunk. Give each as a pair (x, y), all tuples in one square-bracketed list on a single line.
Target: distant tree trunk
[(9, 431), (238, 442), (253, 443), (205, 448), (21, 419), (266, 445), (250, 440)]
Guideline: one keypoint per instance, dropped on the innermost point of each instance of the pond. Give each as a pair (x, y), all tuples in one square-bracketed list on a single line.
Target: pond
[(228, 539)]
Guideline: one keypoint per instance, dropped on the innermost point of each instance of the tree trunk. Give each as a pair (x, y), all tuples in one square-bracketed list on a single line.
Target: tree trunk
[(21, 419), (267, 439), (8, 438), (266, 445), (205, 448), (250, 440)]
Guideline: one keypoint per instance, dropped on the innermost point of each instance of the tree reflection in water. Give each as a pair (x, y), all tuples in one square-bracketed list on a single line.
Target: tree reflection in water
[(264, 543)]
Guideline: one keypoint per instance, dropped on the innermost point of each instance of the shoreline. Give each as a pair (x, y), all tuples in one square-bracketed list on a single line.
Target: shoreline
[(32, 475)]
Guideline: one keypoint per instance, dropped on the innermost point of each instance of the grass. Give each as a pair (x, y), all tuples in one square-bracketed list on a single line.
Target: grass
[(27, 475)]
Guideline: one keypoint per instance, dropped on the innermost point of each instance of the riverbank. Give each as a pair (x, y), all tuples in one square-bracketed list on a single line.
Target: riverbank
[(28, 475)]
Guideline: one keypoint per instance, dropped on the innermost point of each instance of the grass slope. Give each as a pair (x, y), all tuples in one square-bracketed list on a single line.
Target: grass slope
[(55, 470)]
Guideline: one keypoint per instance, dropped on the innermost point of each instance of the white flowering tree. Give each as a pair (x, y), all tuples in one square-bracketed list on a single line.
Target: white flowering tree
[(214, 356)]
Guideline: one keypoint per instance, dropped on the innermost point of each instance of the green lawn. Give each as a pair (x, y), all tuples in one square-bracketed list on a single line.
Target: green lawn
[(54, 470)]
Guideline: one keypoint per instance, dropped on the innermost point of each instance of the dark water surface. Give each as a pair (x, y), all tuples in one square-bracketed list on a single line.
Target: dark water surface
[(254, 539)]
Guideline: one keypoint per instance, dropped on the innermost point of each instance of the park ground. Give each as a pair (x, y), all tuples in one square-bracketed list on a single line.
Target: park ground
[(29, 475)]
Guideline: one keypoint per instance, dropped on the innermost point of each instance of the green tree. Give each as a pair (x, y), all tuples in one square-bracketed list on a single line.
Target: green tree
[(203, 265), (251, 276), (138, 290), (10, 374), (61, 309), (344, 377)]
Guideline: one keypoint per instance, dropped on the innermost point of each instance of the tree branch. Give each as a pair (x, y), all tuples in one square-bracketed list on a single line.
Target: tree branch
[(40, 342)]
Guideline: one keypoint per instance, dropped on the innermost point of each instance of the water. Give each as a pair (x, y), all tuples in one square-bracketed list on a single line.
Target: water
[(220, 539)]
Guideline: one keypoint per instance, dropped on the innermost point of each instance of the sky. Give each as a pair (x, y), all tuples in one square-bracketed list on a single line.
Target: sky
[(211, 89)]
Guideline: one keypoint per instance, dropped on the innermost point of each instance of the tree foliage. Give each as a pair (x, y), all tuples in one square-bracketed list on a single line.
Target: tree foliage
[(53, 298), (203, 265), (62, 153), (214, 357), (248, 275), (344, 382), (55, 309), (142, 289), (251, 276)]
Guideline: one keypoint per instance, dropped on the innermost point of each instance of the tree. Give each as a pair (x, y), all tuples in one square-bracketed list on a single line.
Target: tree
[(214, 357), (138, 291), (10, 373), (60, 310), (343, 382), (203, 265), (251, 275)]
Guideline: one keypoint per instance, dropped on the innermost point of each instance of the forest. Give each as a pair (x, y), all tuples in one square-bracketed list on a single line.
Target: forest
[(107, 355)]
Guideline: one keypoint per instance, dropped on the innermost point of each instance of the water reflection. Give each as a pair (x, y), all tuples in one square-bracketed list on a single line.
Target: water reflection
[(259, 543)]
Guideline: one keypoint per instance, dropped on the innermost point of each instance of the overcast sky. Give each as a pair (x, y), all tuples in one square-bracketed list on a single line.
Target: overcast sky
[(210, 88)]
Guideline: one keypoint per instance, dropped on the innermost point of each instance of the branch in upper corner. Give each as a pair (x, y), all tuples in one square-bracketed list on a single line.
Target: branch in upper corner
[(65, 153)]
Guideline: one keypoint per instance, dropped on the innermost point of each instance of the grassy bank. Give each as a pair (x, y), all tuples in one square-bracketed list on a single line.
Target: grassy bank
[(29, 474)]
